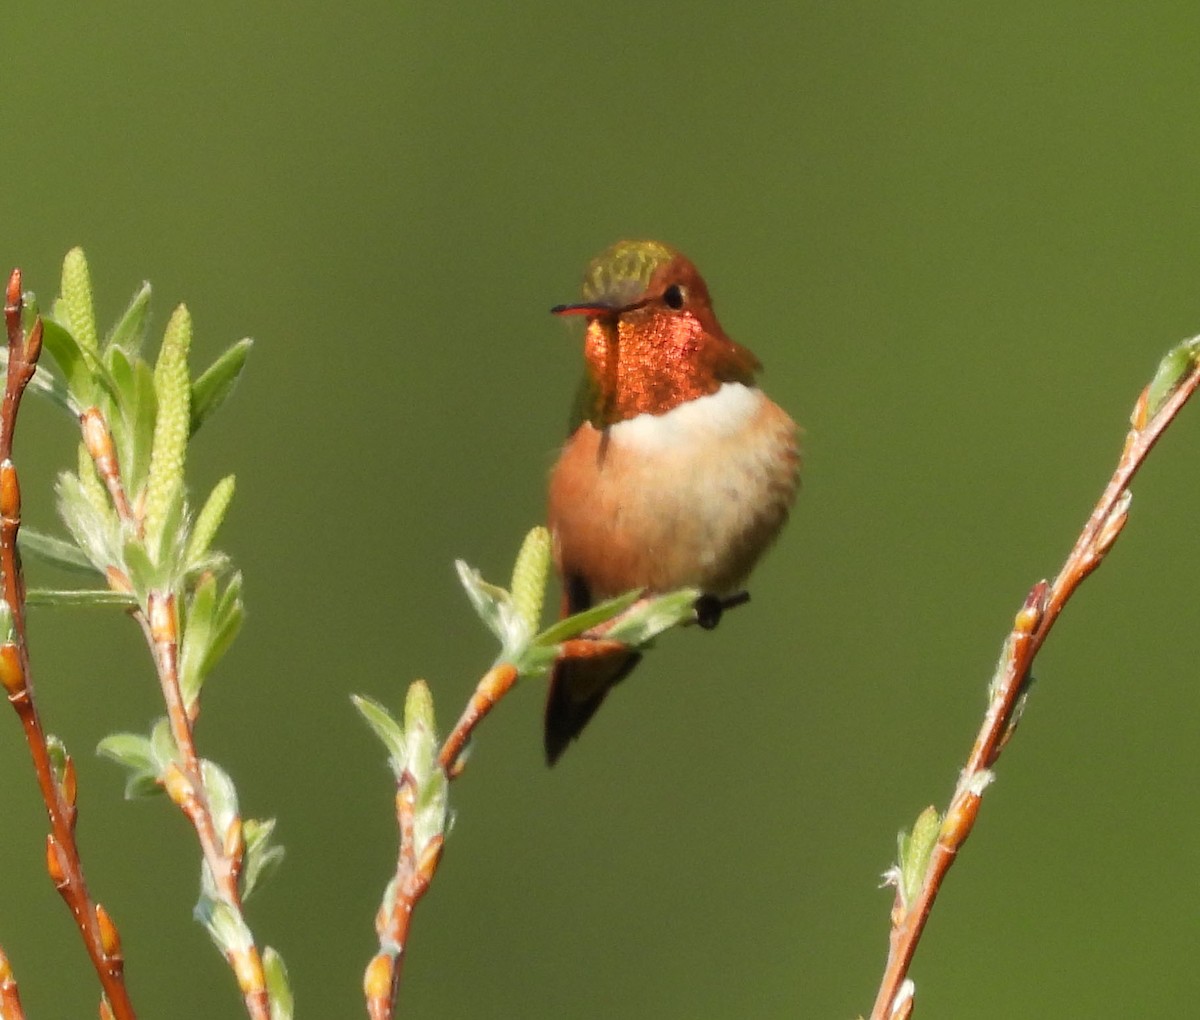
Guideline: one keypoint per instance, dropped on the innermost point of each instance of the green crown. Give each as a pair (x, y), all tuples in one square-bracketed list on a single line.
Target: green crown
[(619, 275)]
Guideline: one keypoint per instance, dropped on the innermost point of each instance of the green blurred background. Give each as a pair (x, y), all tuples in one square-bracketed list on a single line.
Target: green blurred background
[(959, 237)]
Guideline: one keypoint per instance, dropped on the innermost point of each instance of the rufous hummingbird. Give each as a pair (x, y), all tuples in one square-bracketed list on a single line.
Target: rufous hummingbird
[(679, 472)]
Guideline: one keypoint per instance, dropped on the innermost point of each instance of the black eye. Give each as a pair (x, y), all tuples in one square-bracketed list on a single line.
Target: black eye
[(673, 296)]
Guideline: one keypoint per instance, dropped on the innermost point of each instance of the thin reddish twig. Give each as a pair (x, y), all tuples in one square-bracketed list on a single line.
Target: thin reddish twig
[(381, 983), (414, 873), (10, 998), (496, 683), (184, 782), (1032, 625), (62, 852)]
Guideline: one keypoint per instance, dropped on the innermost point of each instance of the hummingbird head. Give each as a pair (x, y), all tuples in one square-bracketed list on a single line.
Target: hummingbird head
[(653, 341)]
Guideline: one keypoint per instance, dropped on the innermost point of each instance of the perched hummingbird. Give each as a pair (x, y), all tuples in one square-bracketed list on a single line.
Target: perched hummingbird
[(680, 471)]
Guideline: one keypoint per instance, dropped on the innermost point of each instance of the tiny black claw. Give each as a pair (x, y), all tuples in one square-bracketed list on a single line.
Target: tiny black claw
[(710, 608), (708, 611)]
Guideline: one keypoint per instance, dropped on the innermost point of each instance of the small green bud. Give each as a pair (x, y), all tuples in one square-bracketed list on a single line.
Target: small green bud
[(915, 850), (418, 709), (1170, 373)]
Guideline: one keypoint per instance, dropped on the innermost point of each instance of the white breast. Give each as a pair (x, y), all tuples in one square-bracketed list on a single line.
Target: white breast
[(717, 416), (703, 488)]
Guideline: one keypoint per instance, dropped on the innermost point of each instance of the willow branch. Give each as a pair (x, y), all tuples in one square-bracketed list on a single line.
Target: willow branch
[(184, 784), (496, 683), (58, 791), (416, 866), (10, 998), (1030, 629), (414, 872), (423, 772), (184, 781)]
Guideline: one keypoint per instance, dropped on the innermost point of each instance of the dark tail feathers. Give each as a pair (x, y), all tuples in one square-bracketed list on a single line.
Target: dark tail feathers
[(577, 688)]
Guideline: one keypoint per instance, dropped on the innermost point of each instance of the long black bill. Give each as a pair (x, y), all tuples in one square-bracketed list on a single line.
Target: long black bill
[(594, 310)]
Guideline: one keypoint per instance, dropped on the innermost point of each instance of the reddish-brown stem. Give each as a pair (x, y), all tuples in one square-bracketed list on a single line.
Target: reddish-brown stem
[(183, 781), (1032, 625), (499, 680), (496, 683), (185, 786), (10, 998), (98, 441), (381, 983), (63, 859)]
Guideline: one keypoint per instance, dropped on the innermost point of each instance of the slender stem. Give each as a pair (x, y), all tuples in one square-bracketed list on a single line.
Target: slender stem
[(414, 873), (185, 786), (10, 998), (381, 982), (1033, 623), (63, 858), (496, 683), (184, 782)]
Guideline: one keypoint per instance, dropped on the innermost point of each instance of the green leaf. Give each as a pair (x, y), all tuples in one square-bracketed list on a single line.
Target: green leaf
[(385, 728), (137, 408), (57, 753), (231, 597), (1171, 371), (92, 487), (278, 987), (140, 785), (162, 745), (70, 361), (262, 857), (167, 552), (81, 598), (213, 562), (197, 637), (130, 750), (534, 661), (217, 382), (650, 619), (130, 327), (227, 623), (85, 374), (140, 418), (421, 762), (54, 551), (418, 709), (94, 529), (143, 573), (134, 753), (916, 848), (221, 795), (489, 600), (225, 926), (46, 383), (573, 626)]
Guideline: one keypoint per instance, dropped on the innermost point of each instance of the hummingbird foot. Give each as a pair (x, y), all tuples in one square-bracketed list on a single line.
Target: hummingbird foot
[(710, 608)]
